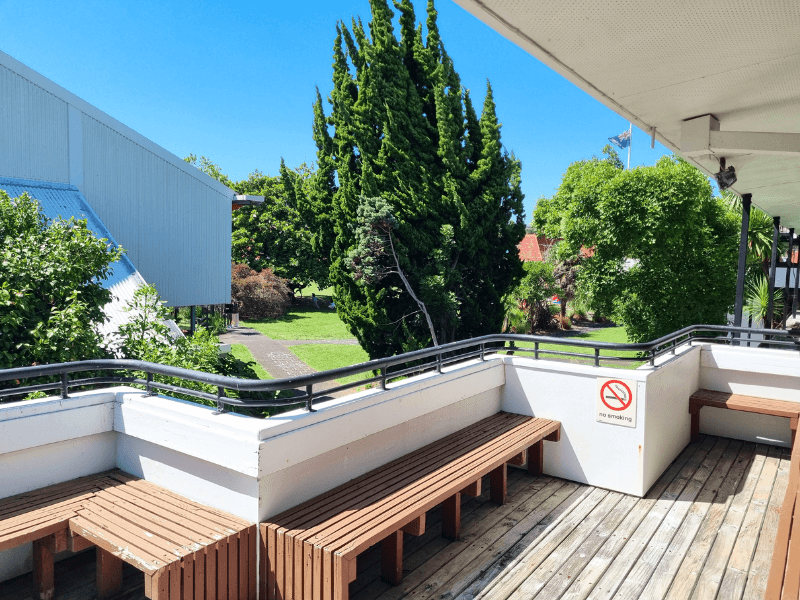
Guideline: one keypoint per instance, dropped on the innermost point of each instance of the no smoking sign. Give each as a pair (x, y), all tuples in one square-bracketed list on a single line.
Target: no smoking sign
[(616, 402)]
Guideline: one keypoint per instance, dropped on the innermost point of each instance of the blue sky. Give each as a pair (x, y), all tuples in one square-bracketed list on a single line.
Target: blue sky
[(234, 81)]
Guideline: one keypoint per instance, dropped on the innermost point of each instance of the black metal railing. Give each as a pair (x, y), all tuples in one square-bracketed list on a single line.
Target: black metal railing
[(383, 370)]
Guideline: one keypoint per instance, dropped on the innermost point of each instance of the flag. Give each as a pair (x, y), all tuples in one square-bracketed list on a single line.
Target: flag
[(623, 140)]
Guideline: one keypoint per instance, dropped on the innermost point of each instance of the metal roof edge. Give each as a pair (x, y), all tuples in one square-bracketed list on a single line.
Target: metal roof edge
[(92, 111)]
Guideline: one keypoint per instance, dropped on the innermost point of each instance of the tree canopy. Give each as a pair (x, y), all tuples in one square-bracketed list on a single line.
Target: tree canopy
[(51, 295), (272, 235), (402, 128), (665, 250)]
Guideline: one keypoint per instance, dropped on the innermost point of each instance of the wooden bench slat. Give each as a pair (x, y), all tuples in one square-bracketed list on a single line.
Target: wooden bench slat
[(112, 542), (368, 479), (166, 528), (309, 551), (392, 511), (392, 482)]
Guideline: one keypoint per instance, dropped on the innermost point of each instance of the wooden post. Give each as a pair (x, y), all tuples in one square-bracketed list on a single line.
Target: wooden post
[(451, 517), (109, 573), (43, 574), (536, 458), (392, 558), (695, 410), (498, 485)]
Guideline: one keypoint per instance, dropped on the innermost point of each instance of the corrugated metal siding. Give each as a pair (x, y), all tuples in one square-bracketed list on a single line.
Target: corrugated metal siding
[(63, 200), (34, 142), (175, 227)]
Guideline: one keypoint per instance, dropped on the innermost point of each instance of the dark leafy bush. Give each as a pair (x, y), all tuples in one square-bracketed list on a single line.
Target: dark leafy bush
[(260, 295)]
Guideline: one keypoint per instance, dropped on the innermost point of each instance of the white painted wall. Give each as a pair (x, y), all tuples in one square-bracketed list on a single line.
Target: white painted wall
[(610, 456), (762, 373)]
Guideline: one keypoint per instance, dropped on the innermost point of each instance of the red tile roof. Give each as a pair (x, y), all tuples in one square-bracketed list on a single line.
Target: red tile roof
[(533, 248)]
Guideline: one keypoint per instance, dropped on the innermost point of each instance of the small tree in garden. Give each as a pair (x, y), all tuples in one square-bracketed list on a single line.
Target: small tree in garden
[(51, 292), (527, 305), (260, 295), (566, 276)]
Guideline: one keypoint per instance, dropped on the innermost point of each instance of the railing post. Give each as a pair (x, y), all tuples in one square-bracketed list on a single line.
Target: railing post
[(220, 396), (536, 350), (597, 357), (483, 352), (674, 345), (310, 400), (64, 386), (439, 362), (149, 385), (383, 378), (652, 358)]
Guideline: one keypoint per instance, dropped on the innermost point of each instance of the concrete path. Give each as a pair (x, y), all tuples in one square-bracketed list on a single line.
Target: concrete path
[(276, 358)]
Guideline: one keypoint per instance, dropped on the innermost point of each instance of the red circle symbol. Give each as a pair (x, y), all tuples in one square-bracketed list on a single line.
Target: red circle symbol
[(616, 395)]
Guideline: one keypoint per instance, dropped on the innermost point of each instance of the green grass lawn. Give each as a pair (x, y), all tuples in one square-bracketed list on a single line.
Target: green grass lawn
[(243, 353), (300, 323), (601, 334), (323, 357)]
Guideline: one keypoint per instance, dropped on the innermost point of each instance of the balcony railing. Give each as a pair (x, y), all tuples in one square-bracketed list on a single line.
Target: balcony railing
[(383, 370)]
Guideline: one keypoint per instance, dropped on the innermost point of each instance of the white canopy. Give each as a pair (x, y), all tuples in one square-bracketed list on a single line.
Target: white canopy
[(660, 64)]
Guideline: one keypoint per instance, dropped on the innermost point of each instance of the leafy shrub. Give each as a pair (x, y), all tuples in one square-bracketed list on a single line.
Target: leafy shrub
[(51, 296), (527, 305), (260, 295), (146, 337)]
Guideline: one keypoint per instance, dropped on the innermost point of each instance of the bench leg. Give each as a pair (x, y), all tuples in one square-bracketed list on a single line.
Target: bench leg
[(451, 517), (498, 485), (696, 426), (536, 459), (392, 558), (43, 573), (109, 573)]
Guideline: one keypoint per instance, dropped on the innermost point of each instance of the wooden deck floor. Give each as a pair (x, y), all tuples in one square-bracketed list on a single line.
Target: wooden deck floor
[(705, 530)]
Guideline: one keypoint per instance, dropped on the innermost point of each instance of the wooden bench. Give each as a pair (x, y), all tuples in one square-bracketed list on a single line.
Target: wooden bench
[(186, 550), (751, 404), (309, 552)]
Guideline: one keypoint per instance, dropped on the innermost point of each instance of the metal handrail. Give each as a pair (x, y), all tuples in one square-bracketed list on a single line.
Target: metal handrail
[(440, 355)]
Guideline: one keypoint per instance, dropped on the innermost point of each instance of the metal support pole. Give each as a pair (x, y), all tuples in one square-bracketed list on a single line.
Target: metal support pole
[(597, 357), (787, 279), (738, 307), (483, 353), (439, 363), (64, 386), (220, 396), (310, 400), (383, 378), (193, 322), (149, 386), (773, 265)]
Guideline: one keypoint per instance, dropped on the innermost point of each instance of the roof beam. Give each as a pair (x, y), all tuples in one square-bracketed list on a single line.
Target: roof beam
[(702, 136)]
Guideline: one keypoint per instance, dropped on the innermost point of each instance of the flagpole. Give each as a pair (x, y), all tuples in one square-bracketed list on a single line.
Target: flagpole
[(630, 143)]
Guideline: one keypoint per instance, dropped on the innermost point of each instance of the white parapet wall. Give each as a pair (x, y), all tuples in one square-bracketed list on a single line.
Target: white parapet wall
[(616, 457)]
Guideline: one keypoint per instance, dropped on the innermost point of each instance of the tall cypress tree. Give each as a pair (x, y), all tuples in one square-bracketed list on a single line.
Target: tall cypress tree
[(402, 128)]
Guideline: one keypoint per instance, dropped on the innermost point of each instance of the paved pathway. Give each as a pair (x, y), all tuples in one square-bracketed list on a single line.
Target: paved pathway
[(275, 356)]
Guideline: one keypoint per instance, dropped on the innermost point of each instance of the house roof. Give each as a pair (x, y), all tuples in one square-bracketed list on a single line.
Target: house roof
[(659, 64), (533, 248), (64, 200)]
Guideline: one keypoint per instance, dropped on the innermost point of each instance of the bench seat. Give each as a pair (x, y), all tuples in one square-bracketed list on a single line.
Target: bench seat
[(751, 404), (309, 552), (186, 550)]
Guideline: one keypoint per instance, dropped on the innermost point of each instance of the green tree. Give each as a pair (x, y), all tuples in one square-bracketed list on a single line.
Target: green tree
[(273, 234), (402, 128), (51, 295), (527, 305), (664, 249)]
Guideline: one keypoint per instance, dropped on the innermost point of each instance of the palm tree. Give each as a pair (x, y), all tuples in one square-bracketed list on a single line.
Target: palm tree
[(756, 298)]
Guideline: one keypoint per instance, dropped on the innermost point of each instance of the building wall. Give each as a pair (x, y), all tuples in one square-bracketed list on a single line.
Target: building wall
[(173, 220)]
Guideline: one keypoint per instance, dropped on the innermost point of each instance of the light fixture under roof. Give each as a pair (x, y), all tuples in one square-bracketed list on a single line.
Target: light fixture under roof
[(726, 177)]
